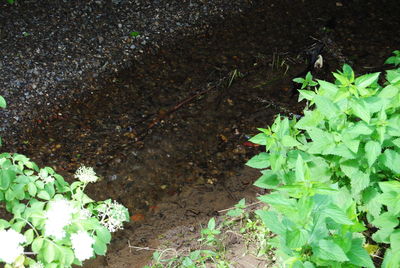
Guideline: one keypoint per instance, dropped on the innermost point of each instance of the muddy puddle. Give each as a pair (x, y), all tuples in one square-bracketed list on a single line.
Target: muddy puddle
[(168, 135)]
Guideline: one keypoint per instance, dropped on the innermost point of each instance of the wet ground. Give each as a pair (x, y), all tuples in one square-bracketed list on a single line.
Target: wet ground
[(168, 135)]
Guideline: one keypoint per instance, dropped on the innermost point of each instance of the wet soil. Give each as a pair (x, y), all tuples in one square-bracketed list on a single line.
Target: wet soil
[(168, 135)]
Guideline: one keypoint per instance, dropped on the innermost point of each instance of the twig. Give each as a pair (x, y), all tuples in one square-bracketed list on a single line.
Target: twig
[(249, 205)]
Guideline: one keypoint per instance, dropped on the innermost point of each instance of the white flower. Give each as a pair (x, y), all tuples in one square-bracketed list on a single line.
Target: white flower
[(112, 215), (82, 244), (86, 174), (9, 245), (37, 265), (58, 216)]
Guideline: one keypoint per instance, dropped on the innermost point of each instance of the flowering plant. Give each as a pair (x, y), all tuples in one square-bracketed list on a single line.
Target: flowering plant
[(49, 222)]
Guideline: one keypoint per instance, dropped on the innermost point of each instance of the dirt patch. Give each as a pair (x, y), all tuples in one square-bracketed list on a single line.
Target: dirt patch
[(168, 134)]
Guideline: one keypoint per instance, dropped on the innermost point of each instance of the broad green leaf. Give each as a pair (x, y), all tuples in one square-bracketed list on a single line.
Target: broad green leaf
[(4, 224), (359, 128), (32, 190), (271, 220), (269, 180), (29, 235), (366, 80), (386, 220), (391, 259), (289, 141), (103, 234), (49, 252), (351, 142), (329, 250), (310, 119), (359, 181), (337, 214), (7, 176), (37, 244), (358, 255), (369, 201), (388, 186), (43, 195), (306, 94), (296, 238), (395, 240), (277, 199), (393, 76), (326, 107), (260, 138), (359, 109), (259, 161), (389, 91), (373, 150), (327, 89), (391, 160), (100, 248)]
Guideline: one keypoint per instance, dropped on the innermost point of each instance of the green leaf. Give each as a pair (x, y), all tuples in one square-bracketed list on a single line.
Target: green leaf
[(44, 195), (29, 235), (390, 159), (289, 141), (296, 238), (306, 94), (389, 92), (395, 240), (310, 119), (103, 234), (337, 215), (259, 161), (3, 103), (358, 255), (269, 180), (329, 250), (326, 107), (359, 181), (7, 176), (211, 224), (327, 89), (393, 76), (49, 252), (4, 224), (359, 109), (260, 138), (271, 220), (37, 244), (100, 248), (373, 150), (32, 190), (366, 80), (391, 259)]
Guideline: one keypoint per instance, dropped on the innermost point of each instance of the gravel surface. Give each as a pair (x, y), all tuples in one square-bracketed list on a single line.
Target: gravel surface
[(54, 51)]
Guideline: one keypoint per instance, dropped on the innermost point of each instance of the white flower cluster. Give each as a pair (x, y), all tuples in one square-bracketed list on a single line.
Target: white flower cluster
[(86, 174), (58, 216), (10, 248), (112, 215), (82, 244)]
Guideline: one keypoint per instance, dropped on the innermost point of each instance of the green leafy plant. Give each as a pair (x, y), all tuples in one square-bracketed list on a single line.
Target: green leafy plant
[(48, 222), (334, 173), (305, 82), (395, 60)]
